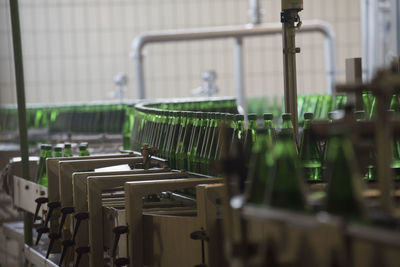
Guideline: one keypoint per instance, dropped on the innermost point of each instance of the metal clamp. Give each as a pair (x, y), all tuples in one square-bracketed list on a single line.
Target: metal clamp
[(118, 231), (65, 211), (39, 201)]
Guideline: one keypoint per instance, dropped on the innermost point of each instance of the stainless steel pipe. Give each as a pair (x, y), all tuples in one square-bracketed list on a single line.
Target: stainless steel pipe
[(236, 32)]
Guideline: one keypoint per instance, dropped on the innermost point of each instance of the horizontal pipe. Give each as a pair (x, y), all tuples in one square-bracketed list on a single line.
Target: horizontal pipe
[(239, 31)]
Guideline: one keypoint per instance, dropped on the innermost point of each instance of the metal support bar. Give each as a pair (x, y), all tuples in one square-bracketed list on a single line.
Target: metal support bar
[(289, 18), (19, 80), (240, 31), (354, 75), (383, 158), (255, 11), (239, 79)]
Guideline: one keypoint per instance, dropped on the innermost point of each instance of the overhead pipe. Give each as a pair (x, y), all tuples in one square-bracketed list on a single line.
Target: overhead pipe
[(235, 32)]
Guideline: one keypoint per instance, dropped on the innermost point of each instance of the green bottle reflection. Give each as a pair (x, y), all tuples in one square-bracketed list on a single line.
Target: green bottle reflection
[(310, 155)]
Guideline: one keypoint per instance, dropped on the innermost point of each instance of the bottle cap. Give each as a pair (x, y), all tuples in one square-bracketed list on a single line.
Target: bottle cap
[(185, 113), (229, 116), (252, 116), (83, 145), (308, 116), (67, 145), (48, 147), (239, 117), (268, 116), (360, 114), (58, 148), (286, 116)]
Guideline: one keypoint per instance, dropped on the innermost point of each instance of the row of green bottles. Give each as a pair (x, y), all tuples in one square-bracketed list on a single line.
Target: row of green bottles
[(46, 152), (277, 171), (90, 119), (319, 105), (214, 105), (190, 140)]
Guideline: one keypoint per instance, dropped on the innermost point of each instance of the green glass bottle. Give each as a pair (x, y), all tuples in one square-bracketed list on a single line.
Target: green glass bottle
[(83, 149), (344, 195), (207, 142), (153, 127), (230, 127), (43, 173), (199, 143), (128, 127), (310, 155), (360, 115), (285, 187), (331, 116), (42, 158), (58, 151), (193, 140), (238, 134), (67, 150), (181, 153), (260, 164), (212, 153), (395, 152), (395, 103), (269, 127), (287, 129), (166, 118), (170, 126), (173, 141)]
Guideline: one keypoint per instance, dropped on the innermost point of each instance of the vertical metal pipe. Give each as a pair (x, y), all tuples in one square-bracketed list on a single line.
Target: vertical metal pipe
[(330, 63), (239, 79), (19, 80), (140, 75), (383, 158), (255, 12), (289, 71)]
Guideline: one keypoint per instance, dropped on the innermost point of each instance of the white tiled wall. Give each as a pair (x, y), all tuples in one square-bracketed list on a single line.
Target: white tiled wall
[(73, 48)]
